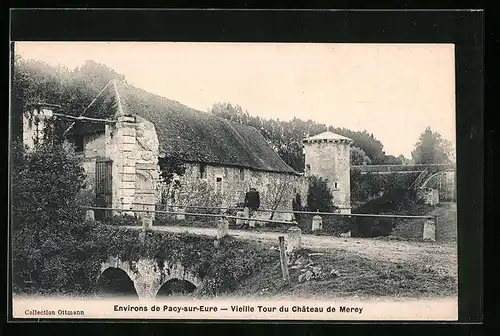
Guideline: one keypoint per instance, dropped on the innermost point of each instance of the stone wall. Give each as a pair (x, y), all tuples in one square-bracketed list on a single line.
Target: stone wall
[(132, 145), (330, 161), (226, 187)]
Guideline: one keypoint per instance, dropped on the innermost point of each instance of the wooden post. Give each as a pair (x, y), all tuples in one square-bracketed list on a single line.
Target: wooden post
[(284, 263), (142, 236)]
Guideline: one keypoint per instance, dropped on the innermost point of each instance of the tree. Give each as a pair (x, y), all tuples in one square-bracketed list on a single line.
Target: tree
[(319, 196), (51, 240), (359, 157), (170, 166), (432, 148), (392, 160), (365, 141), (36, 82), (404, 160), (230, 112)]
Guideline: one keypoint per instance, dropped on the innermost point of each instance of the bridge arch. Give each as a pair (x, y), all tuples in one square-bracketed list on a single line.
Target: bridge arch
[(116, 282), (148, 277), (444, 181), (175, 286)]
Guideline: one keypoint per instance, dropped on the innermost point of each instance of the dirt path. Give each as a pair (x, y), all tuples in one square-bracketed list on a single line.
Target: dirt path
[(379, 249)]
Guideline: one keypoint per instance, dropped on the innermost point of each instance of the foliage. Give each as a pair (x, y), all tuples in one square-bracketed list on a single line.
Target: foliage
[(122, 220), (200, 193), (170, 166), (397, 200), (432, 148), (404, 160), (392, 160), (369, 185), (221, 268), (50, 237), (297, 203), (358, 157), (286, 137), (365, 141), (277, 194), (38, 82), (319, 196)]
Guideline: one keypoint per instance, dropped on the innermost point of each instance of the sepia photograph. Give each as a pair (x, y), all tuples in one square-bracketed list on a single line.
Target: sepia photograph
[(233, 181)]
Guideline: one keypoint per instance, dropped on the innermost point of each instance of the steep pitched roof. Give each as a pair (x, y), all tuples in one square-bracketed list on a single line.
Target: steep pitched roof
[(197, 136)]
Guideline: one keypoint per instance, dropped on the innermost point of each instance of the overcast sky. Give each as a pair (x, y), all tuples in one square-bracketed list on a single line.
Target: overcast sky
[(393, 91)]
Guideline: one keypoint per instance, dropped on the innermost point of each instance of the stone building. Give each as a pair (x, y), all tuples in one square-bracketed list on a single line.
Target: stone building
[(222, 159), (327, 155)]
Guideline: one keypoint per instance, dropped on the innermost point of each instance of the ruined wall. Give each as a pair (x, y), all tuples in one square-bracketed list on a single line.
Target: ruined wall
[(226, 187), (330, 161), (132, 145)]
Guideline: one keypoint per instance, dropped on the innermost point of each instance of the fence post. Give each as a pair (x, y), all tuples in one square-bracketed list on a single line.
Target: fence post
[(222, 228), (429, 233), (317, 223), (284, 262), (89, 215), (142, 235), (181, 216), (294, 239)]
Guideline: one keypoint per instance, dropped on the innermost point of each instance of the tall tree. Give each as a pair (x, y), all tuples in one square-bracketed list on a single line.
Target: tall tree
[(359, 157), (432, 148), (51, 240), (286, 137), (392, 160)]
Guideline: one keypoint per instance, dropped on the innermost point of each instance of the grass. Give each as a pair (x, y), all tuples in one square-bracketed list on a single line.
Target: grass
[(358, 277)]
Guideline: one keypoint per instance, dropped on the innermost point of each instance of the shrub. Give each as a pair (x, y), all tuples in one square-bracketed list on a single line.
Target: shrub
[(122, 220), (319, 196), (395, 201), (365, 187), (50, 237)]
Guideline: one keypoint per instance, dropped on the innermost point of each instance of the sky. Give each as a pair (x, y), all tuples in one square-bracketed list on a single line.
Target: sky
[(391, 90)]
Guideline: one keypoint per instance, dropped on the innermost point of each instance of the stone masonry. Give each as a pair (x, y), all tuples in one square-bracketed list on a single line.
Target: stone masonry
[(148, 277), (327, 155)]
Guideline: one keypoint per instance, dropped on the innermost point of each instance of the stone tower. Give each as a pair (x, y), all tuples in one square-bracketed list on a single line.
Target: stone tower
[(327, 155)]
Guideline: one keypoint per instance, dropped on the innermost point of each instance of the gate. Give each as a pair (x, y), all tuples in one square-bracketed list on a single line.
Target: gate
[(104, 191)]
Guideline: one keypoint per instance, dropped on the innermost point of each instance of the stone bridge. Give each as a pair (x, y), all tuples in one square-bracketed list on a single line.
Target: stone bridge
[(402, 169), (430, 176), (145, 278)]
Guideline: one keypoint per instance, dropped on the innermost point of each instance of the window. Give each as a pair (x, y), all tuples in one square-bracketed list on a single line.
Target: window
[(336, 185), (203, 171), (218, 184), (79, 143), (242, 174)]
